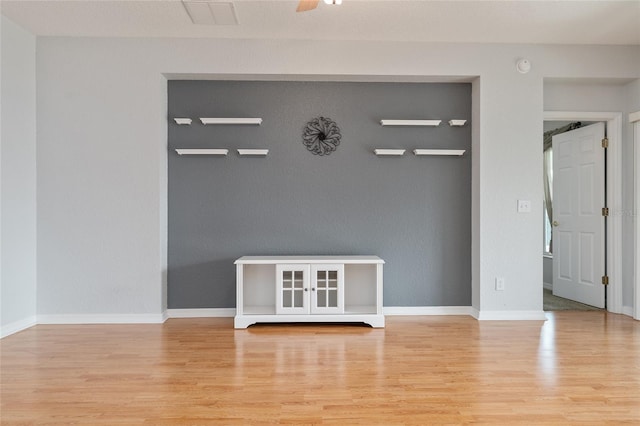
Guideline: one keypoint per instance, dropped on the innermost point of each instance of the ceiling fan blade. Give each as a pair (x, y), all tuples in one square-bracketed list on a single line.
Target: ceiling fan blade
[(306, 5)]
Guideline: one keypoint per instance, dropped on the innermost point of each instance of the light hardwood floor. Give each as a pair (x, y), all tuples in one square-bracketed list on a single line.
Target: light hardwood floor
[(576, 368)]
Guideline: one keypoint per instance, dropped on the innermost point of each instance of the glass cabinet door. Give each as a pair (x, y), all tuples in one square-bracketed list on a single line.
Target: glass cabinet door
[(327, 289), (292, 292)]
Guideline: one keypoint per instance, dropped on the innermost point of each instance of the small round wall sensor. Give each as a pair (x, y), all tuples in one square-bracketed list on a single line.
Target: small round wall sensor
[(523, 66)]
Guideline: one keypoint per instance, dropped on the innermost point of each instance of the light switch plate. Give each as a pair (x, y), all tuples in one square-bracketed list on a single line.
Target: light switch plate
[(524, 206)]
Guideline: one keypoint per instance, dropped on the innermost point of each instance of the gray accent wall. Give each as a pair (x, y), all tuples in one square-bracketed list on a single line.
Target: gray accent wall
[(413, 212)]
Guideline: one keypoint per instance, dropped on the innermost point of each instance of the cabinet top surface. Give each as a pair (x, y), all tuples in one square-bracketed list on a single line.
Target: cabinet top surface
[(307, 259)]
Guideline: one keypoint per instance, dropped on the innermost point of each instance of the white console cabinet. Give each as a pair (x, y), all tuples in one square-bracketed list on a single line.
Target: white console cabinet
[(309, 289)]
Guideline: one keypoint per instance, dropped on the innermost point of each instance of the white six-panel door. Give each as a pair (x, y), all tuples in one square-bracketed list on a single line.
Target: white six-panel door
[(578, 199)]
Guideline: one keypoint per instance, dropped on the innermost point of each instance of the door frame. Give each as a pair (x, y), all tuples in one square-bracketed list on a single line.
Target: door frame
[(634, 119), (614, 195)]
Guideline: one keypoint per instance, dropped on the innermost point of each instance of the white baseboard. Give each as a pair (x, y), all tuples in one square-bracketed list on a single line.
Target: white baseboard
[(548, 286), (628, 311), (102, 319), (426, 310), (230, 312), (387, 311), (509, 315), (17, 326), (474, 312), (202, 313)]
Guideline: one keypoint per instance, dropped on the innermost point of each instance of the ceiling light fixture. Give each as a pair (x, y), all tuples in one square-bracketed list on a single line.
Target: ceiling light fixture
[(306, 5)]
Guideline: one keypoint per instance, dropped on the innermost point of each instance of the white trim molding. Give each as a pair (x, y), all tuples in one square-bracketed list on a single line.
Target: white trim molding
[(634, 118), (102, 319), (426, 310), (202, 313), (17, 326), (614, 195), (387, 311), (628, 311), (509, 315)]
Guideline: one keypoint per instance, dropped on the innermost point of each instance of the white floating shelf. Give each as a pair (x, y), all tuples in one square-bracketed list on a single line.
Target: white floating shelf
[(457, 123), (231, 120), (432, 123), (254, 152), (396, 152), (457, 152), (186, 121), (198, 151)]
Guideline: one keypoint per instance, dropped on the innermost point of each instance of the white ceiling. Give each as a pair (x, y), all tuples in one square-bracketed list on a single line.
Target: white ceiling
[(541, 21)]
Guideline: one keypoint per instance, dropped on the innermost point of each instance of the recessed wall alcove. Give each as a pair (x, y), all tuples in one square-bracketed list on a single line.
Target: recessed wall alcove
[(412, 211)]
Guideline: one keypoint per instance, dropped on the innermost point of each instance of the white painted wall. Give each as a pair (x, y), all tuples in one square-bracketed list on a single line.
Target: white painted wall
[(102, 153), (17, 178), (101, 182), (612, 96)]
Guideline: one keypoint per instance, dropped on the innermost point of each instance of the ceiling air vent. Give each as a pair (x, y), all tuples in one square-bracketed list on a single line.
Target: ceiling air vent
[(204, 12)]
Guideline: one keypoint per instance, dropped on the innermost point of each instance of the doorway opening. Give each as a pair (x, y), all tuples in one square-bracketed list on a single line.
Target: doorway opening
[(612, 198), (572, 216), (567, 285)]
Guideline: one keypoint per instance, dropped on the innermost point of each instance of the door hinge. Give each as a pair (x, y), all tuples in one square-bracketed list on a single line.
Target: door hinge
[(605, 211), (605, 280), (605, 143)]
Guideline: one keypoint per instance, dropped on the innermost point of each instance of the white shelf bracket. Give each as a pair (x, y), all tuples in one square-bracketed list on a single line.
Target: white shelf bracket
[(183, 121), (200, 151), (253, 152), (220, 120), (430, 123), (441, 152), (389, 152)]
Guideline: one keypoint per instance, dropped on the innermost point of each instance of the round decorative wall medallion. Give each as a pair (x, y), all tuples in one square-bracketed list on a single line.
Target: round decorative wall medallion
[(321, 136)]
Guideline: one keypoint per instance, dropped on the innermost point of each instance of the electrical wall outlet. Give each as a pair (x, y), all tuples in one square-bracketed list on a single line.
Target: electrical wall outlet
[(499, 283), (524, 206)]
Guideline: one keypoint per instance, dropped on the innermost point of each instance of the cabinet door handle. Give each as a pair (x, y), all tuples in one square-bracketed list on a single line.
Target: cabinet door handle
[(306, 289), (313, 289)]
